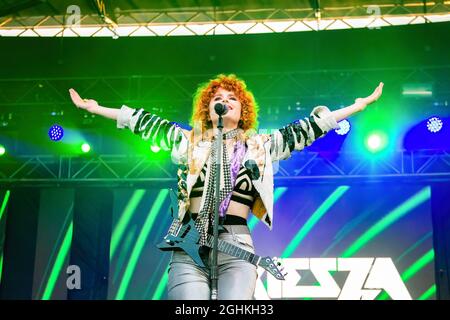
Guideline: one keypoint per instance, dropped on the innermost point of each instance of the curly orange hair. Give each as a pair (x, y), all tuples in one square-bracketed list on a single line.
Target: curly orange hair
[(230, 82)]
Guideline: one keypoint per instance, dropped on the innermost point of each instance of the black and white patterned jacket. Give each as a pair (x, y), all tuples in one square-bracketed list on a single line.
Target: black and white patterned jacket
[(262, 151)]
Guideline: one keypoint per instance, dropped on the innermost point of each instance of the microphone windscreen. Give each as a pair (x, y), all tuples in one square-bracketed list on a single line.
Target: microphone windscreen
[(220, 109)]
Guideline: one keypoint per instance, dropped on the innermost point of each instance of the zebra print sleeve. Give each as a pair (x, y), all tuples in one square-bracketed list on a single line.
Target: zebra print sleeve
[(301, 133), (159, 131)]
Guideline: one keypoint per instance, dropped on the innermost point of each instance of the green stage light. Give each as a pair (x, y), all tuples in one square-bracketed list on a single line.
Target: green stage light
[(85, 147), (376, 142), (155, 149), (2, 150)]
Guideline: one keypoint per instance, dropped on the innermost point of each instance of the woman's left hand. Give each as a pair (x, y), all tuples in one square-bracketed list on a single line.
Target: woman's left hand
[(362, 103)]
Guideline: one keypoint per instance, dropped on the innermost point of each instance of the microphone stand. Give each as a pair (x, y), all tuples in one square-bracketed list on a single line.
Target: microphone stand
[(213, 267)]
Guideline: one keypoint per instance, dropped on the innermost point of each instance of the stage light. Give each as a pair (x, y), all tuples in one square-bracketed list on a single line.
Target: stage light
[(344, 127), (2, 150), (85, 147), (155, 149), (417, 89), (56, 132), (376, 142), (434, 124)]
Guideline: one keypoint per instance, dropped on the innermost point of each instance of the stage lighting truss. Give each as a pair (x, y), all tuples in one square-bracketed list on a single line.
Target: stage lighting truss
[(144, 91), (434, 124), (138, 23), (423, 166)]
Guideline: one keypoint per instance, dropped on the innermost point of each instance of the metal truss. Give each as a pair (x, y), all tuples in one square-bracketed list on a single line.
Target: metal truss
[(279, 92), (74, 22), (102, 170), (142, 171), (424, 166)]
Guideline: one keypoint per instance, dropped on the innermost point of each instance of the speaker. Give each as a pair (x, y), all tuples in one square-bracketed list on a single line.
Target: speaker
[(441, 238), (92, 218), (20, 244)]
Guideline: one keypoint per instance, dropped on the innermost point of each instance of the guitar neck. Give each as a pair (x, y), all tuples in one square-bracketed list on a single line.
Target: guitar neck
[(233, 250), (178, 238)]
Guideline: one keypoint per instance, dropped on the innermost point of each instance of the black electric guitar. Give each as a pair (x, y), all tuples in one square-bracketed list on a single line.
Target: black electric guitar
[(185, 236)]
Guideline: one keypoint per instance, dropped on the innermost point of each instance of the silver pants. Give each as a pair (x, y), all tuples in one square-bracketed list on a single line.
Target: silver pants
[(236, 277)]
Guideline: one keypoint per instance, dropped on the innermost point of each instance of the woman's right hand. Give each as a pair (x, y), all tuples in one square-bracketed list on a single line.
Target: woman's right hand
[(86, 104)]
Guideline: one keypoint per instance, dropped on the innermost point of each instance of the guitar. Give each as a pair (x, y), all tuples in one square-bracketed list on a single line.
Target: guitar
[(185, 236)]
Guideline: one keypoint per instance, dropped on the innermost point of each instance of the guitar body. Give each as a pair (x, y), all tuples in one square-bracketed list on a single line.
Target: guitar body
[(187, 240)]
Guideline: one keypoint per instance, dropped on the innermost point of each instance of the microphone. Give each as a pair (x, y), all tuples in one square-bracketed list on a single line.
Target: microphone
[(220, 109)]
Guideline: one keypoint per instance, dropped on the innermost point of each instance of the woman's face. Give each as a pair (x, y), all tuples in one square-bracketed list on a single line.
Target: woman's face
[(228, 98)]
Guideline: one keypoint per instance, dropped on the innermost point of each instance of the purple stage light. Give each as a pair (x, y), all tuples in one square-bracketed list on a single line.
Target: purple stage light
[(344, 127), (56, 132), (434, 124)]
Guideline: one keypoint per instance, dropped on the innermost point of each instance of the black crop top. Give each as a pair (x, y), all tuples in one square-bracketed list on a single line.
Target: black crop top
[(243, 192)]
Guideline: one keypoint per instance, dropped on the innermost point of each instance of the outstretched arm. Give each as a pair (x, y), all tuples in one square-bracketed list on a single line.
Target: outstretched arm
[(359, 105), (161, 132), (302, 133), (92, 106)]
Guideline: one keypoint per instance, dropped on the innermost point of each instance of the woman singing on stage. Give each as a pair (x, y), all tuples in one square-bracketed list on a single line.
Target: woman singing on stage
[(246, 173)]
